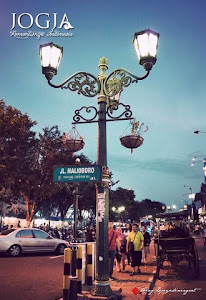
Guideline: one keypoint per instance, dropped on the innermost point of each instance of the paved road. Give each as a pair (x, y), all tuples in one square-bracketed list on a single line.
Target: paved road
[(31, 277)]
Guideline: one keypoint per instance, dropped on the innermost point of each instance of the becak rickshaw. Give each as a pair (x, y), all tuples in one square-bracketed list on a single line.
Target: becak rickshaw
[(175, 242)]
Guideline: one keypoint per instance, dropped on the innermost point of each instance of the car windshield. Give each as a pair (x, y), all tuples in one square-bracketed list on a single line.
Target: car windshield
[(5, 232)]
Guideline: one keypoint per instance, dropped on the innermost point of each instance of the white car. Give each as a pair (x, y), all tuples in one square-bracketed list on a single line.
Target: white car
[(24, 240)]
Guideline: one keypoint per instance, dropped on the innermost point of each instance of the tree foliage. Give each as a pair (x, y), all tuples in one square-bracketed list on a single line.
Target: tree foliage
[(134, 210), (149, 207), (51, 152), (26, 169), (26, 164), (18, 148), (17, 145)]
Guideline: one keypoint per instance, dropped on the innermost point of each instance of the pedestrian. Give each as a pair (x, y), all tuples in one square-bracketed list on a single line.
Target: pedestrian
[(88, 235), (126, 232), (121, 243), (204, 235), (128, 229), (46, 228), (19, 224), (155, 236), (94, 233), (147, 241), (135, 244), (112, 237), (197, 229)]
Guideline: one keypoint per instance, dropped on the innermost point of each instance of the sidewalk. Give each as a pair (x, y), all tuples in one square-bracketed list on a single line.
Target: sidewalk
[(134, 288)]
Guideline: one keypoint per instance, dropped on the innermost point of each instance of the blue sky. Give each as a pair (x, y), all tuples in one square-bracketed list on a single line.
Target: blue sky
[(170, 101)]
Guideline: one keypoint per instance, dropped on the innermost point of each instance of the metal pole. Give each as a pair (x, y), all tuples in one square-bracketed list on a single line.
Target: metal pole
[(73, 277), (49, 212), (1, 214), (76, 200), (101, 284)]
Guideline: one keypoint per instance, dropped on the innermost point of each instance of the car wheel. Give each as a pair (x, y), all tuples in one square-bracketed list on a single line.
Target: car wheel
[(60, 249), (14, 250)]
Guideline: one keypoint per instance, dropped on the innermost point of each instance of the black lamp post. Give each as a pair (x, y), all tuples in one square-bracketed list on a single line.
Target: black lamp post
[(107, 88), (76, 201), (198, 131)]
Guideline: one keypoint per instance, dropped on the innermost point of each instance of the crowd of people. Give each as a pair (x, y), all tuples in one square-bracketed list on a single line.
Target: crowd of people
[(128, 246), (131, 245), (87, 234)]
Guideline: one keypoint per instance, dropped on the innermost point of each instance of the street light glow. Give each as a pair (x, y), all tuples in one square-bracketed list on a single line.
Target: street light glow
[(145, 44), (50, 56), (194, 159)]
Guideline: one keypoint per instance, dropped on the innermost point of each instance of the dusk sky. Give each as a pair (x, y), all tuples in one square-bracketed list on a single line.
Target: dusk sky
[(171, 101)]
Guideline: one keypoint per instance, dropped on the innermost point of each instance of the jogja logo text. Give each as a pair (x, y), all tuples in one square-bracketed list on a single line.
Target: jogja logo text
[(43, 21)]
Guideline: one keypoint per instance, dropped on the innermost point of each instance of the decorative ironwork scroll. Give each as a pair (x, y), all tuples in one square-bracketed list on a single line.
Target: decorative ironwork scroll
[(80, 114), (82, 82), (89, 109), (127, 113), (118, 80)]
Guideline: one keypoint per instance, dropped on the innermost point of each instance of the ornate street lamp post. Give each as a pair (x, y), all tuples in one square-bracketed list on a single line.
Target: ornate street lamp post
[(107, 88)]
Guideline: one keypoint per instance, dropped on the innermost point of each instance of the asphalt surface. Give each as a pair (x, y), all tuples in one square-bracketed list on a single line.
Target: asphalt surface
[(31, 277)]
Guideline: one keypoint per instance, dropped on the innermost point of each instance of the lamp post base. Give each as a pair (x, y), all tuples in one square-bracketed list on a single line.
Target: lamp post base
[(101, 288)]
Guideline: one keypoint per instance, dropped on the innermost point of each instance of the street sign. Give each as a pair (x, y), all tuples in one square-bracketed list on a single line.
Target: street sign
[(91, 173)]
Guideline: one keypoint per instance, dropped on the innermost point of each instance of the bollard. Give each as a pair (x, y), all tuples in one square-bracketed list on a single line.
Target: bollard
[(79, 269), (67, 268), (89, 264), (73, 277)]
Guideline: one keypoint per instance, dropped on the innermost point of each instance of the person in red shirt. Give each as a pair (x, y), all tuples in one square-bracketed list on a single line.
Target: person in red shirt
[(112, 237)]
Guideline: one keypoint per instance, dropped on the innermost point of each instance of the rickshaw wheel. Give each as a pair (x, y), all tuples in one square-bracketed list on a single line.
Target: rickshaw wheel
[(194, 264), (158, 267)]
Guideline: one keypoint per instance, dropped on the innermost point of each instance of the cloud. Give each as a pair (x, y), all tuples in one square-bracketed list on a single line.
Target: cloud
[(177, 167)]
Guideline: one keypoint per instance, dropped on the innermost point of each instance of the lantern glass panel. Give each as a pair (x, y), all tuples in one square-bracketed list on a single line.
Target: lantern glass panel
[(50, 56), (56, 55), (153, 40), (145, 44)]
